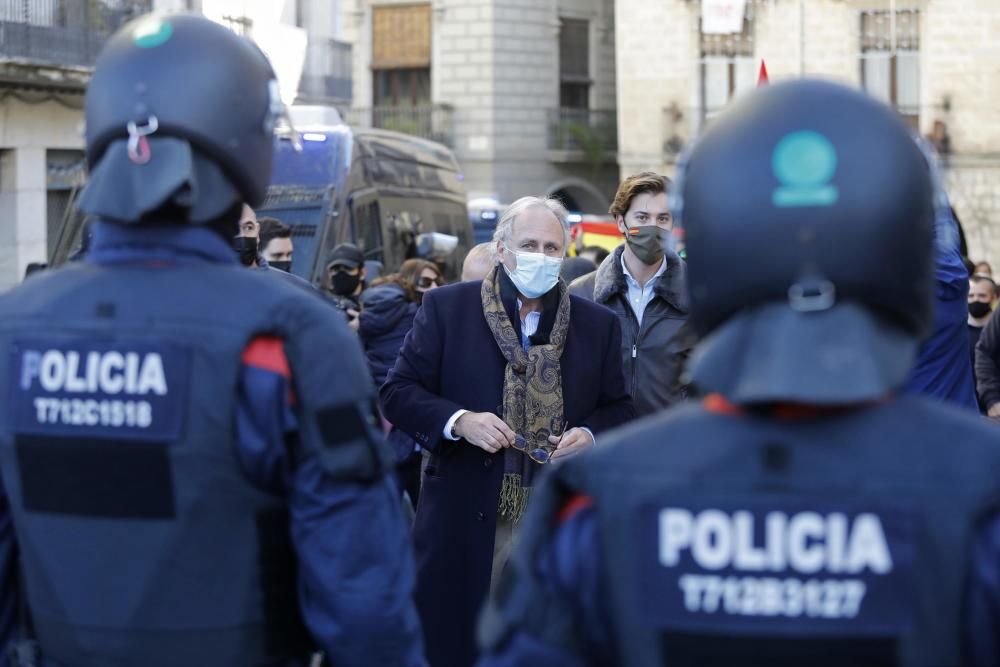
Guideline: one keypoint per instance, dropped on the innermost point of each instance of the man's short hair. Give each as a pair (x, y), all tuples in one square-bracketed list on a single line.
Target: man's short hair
[(271, 228), (505, 226), (980, 278), (600, 253), (642, 183), (479, 260)]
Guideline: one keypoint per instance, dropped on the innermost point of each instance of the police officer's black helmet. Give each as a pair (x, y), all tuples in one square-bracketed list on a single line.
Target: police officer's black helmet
[(180, 111), (808, 210)]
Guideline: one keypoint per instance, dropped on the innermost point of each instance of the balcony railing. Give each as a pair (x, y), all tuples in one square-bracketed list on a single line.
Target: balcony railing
[(683, 124), (593, 133), (433, 122), (62, 32), (327, 76)]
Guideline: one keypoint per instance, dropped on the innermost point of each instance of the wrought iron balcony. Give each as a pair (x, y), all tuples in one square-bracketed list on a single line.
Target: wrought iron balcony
[(62, 33), (583, 134), (433, 122)]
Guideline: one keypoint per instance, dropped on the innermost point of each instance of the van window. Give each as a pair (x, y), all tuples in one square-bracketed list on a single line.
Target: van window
[(368, 230)]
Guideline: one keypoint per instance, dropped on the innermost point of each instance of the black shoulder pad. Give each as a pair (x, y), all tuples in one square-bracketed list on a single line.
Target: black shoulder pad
[(352, 446)]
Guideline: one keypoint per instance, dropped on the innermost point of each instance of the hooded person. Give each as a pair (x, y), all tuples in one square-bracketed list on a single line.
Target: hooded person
[(802, 513), (176, 501)]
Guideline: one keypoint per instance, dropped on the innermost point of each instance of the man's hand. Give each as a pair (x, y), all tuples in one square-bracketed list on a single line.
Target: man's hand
[(994, 410), (352, 318), (484, 430), (571, 442)]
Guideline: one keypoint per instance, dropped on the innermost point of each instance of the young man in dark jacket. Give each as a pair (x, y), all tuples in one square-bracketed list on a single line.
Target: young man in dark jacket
[(643, 283), (987, 367)]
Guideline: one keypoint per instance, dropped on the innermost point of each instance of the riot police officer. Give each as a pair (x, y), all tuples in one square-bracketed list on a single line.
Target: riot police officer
[(801, 514), (189, 450)]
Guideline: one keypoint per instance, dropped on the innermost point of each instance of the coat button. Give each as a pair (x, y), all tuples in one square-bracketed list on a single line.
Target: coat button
[(480, 516), (487, 462)]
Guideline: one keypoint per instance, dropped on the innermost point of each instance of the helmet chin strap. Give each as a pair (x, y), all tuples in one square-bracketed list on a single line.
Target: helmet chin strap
[(138, 144)]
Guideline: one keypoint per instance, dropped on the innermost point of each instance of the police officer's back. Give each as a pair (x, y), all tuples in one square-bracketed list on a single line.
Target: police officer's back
[(802, 514), (188, 448)]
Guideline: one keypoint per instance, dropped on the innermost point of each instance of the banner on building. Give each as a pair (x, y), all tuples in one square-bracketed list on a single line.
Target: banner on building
[(722, 17)]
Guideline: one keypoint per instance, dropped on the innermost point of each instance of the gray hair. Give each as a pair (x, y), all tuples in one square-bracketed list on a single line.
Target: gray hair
[(505, 226)]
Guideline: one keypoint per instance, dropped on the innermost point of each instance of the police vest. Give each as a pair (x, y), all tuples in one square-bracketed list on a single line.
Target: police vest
[(142, 542), (746, 540)]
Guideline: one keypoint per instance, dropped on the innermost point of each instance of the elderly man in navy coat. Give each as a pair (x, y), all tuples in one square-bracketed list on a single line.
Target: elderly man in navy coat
[(497, 380)]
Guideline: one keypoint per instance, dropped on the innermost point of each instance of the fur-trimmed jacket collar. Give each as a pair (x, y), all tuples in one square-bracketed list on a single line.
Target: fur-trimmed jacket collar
[(609, 280)]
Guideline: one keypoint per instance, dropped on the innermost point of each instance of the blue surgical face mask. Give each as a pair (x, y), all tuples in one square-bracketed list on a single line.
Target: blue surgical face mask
[(535, 274)]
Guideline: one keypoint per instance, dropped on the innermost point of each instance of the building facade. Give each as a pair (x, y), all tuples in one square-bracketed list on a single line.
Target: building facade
[(522, 90), (47, 52), (936, 61)]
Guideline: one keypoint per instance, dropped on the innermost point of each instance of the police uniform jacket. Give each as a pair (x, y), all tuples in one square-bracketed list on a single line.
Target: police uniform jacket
[(192, 466), (869, 536)]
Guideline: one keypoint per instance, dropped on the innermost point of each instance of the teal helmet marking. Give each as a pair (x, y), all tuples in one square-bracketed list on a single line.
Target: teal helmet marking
[(804, 163), (151, 32)]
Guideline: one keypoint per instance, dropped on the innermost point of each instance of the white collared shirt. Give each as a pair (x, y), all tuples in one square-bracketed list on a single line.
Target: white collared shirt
[(529, 325), (639, 297)]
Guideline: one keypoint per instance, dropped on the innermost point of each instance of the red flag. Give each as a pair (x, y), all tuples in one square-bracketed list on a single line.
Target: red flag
[(762, 79)]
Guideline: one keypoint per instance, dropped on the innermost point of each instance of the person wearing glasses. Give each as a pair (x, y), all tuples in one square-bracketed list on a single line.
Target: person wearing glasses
[(804, 513), (643, 282), (496, 379), (421, 275)]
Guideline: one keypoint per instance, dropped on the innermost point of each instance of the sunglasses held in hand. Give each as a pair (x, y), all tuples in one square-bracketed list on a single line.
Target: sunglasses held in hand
[(540, 454)]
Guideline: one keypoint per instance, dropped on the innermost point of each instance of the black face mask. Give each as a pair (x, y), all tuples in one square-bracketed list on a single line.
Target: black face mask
[(285, 265), (979, 309), (246, 249), (344, 284)]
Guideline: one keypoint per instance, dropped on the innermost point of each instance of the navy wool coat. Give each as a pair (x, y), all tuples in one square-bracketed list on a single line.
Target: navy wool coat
[(385, 319), (450, 361)]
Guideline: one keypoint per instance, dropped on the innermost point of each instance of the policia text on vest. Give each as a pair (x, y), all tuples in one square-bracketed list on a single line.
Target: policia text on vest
[(95, 386), (750, 562)]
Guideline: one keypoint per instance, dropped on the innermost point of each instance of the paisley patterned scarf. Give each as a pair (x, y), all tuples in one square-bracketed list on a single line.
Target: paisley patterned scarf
[(532, 390)]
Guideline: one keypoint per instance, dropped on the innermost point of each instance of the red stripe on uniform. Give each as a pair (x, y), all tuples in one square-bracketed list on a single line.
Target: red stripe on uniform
[(267, 353), (573, 506), (717, 404)]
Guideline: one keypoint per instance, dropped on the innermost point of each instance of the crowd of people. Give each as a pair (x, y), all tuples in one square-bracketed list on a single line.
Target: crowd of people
[(485, 383), (620, 458), (478, 349)]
